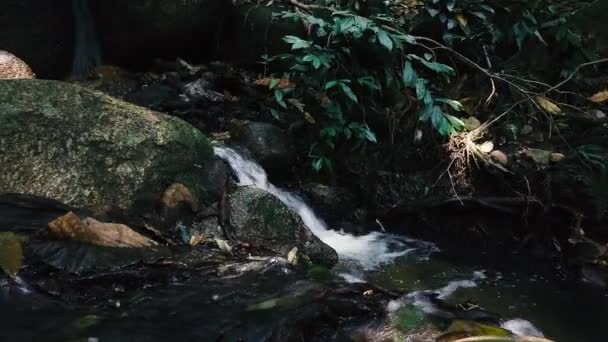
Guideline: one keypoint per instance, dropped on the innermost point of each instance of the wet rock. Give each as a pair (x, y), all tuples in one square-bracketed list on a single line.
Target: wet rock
[(156, 96), (216, 177), (25, 213), (540, 157), (261, 219), (270, 145), (499, 157), (92, 151), (11, 67), (111, 80), (581, 184), (136, 31), (39, 32), (79, 258), (526, 129), (332, 203)]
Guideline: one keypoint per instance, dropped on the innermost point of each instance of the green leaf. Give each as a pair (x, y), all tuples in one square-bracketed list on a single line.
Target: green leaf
[(409, 74), (317, 164), (278, 95), (421, 89), (349, 92), (274, 83), (369, 134), (331, 84), (370, 82), (274, 114), (456, 105), (385, 40), (434, 66), (296, 42)]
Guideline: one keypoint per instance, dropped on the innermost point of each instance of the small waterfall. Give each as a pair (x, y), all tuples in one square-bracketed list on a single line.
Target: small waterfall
[(368, 251), (87, 53)]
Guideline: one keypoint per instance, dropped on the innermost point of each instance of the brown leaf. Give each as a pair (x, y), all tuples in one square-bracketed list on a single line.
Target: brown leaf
[(548, 106), (89, 230), (309, 118), (282, 83), (600, 97), (11, 253)]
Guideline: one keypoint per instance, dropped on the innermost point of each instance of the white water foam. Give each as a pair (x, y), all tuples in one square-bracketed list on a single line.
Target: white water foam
[(369, 251), (420, 299), (522, 327)]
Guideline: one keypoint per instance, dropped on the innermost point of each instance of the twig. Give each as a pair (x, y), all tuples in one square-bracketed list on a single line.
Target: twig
[(309, 7), (485, 51), (599, 61)]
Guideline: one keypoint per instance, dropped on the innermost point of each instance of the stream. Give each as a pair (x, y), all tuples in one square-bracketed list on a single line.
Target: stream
[(265, 305)]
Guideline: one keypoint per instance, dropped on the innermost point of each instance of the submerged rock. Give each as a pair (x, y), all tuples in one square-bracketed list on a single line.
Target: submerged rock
[(92, 151), (263, 220)]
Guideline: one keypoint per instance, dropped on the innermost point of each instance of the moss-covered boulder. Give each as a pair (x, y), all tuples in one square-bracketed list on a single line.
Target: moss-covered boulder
[(92, 151), (136, 31), (260, 218)]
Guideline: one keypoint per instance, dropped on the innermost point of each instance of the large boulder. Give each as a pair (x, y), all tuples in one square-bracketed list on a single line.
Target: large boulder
[(89, 150), (332, 203), (260, 218), (136, 31), (270, 145), (40, 32)]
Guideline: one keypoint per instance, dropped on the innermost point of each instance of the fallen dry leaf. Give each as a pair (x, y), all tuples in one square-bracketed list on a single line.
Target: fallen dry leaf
[(600, 97), (89, 230), (278, 83), (548, 106), (197, 239), (11, 253), (309, 118)]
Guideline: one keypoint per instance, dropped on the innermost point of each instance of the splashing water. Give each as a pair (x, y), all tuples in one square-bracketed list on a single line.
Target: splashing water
[(420, 299), (369, 251)]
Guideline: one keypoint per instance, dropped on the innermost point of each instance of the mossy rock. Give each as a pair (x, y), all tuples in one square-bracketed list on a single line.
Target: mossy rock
[(263, 220), (89, 150)]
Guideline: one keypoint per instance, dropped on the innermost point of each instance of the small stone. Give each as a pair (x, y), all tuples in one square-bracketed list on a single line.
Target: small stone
[(556, 157), (486, 147), (471, 123), (500, 157), (538, 136), (598, 114), (526, 129), (11, 67), (510, 132), (541, 157)]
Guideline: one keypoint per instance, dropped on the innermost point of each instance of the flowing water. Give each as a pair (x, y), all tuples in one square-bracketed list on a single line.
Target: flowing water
[(532, 302), (529, 298), (367, 251)]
